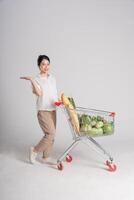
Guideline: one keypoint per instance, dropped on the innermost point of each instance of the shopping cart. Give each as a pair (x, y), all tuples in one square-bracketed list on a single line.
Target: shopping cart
[(103, 120)]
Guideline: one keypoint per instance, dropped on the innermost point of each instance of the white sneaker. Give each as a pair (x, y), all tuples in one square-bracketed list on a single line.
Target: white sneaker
[(32, 155)]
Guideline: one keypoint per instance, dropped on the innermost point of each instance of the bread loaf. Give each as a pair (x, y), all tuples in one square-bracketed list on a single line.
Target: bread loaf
[(72, 112)]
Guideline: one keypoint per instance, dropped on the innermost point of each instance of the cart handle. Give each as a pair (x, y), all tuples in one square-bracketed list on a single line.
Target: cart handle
[(58, 103), (112, 114)]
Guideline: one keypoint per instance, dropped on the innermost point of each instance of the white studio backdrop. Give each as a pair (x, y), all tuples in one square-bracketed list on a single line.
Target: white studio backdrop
[(90, 45)]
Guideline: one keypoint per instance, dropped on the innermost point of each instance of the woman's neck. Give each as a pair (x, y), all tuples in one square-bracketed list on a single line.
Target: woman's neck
[(44, 74)]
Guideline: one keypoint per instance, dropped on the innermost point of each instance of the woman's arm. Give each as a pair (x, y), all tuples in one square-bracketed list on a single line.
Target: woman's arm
[(36, 89)]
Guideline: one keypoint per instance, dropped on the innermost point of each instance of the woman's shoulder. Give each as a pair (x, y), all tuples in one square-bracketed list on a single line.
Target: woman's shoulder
[(37, 78), (52, 77)]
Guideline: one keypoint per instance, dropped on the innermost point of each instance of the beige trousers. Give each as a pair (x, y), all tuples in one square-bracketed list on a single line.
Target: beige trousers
[(47, 122)]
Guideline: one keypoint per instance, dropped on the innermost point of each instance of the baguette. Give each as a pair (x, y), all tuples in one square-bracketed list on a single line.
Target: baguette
[(72, 113)]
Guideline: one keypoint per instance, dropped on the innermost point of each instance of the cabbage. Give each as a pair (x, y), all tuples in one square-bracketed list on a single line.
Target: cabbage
[(108, 128), (99, 118), (99, 124), (93, 131), (100, 131), (85, 128), (85, 119), (93, 122), (96, 131), (94, 118)]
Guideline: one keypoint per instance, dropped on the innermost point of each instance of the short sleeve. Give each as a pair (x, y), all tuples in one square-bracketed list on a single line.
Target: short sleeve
[(38, 85), (33, 87)]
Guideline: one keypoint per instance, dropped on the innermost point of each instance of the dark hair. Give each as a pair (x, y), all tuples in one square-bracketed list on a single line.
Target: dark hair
[(41, 57)]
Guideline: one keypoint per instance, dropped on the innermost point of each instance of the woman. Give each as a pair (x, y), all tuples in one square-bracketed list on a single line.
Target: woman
[(44, 87)]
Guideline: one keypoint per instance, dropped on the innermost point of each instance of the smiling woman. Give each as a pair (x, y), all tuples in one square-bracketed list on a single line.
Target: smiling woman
[(43, 63), (44, 86)]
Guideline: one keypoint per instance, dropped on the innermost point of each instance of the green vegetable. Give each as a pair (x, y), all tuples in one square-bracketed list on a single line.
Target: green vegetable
[(85, 128), (95, 125), (99, 124), (100, 131), (85, 119), (108, 128), (93, 131), (94, 118), (96, 132), (72, 102), (105, 121), (99, 118), (93, 122)]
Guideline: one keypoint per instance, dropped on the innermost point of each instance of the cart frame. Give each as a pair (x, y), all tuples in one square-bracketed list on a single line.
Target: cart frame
[(88, 140)]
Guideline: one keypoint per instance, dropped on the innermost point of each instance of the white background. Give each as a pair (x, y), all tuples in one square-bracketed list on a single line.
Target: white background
[(90, 45)]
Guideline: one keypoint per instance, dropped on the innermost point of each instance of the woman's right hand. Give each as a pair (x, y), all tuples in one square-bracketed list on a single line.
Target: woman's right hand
[(29, 78)]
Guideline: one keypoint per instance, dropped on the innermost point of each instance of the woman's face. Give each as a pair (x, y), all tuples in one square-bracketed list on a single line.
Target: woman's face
[(44, 66)]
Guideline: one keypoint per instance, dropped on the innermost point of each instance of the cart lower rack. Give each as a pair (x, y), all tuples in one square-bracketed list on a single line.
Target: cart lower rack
[(86, 124)]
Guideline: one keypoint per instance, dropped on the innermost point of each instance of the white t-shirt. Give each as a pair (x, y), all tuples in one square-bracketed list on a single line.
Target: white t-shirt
[(48, 85)]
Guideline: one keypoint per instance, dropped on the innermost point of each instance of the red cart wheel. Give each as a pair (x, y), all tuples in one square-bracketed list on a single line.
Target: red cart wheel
[(69, 158), (60, 166), (111, 167)]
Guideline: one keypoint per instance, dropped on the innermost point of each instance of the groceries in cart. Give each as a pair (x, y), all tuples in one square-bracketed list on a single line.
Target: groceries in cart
[(95, 125), (90, 122)]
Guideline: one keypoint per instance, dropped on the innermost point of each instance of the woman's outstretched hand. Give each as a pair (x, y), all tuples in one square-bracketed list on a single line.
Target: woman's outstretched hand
[(29, 78)]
